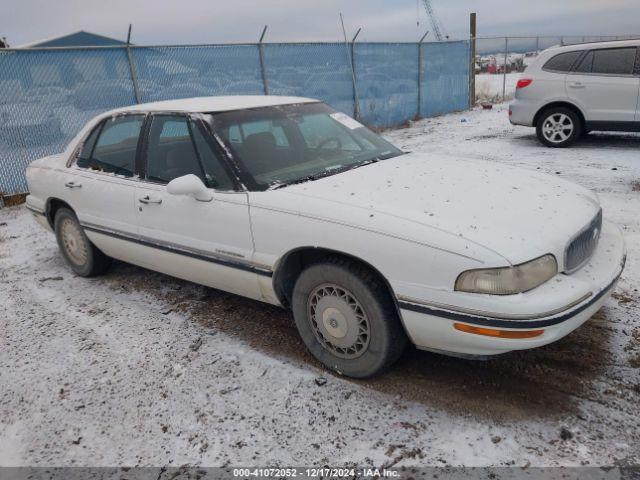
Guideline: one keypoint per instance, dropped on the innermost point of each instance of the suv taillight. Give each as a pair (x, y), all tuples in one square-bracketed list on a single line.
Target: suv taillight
[(524, 82)]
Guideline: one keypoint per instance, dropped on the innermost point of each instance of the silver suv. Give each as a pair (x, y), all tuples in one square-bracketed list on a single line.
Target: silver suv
[(569, 91)]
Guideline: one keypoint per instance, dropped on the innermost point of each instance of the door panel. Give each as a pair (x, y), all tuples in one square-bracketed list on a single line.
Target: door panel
[(208, 242), (205, 242), (604, 86), (103, 187), (603, 98)]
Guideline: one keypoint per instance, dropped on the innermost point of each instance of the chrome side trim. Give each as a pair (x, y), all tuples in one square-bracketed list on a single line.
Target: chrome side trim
[(34, 210), (227, 261), (500, 316)]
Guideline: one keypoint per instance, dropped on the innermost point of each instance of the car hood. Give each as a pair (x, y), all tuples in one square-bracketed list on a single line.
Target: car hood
[(516, 213)]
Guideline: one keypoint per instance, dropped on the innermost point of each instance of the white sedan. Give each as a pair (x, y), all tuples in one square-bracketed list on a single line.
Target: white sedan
[(287, 201)]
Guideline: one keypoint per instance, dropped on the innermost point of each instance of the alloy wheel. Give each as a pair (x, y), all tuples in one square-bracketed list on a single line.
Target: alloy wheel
[(557, 128)]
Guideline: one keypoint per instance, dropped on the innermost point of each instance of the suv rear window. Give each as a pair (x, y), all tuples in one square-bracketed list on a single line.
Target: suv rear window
[(562, 62)]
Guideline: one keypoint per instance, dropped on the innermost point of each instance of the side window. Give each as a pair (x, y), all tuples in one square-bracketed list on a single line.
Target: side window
[(216, 175), (171, 153), (87, 148), (586, 64), (562, 62), (614, 61), (115, 149)]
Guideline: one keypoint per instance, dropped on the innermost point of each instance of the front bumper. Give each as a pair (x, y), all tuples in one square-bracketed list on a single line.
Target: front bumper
[(431, 326)]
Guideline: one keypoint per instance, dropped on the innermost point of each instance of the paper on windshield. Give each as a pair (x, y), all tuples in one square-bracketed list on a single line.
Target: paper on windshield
[(346, 120)]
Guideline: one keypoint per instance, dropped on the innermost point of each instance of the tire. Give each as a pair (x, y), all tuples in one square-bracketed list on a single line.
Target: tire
[(329, 299), (558, 127), (81, 255)]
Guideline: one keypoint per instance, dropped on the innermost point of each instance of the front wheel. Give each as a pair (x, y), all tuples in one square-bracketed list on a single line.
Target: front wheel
[(81, 255), (558, 127), (347, 319)]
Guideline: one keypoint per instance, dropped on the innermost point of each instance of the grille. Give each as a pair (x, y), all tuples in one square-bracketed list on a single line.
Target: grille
[(581, 247)]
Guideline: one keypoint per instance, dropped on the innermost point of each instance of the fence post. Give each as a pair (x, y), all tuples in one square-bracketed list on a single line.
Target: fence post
[(472, 60), (356, 100), (263, 70), (132, 68), (420, 73), (504, 72), (351, 61)]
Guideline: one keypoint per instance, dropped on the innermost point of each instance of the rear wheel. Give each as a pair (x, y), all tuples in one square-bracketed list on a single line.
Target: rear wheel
[(347, 319), (558, 127), (81, 255)]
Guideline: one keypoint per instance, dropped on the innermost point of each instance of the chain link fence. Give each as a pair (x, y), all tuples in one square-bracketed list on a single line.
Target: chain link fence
[(47, 95), (500, 60)]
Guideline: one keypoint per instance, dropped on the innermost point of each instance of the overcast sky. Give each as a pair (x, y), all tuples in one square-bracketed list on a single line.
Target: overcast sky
[(213, 21)]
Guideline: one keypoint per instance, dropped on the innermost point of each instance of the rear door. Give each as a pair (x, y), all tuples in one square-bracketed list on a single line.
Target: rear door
[(102, 187), (605, 86), (205, 242)]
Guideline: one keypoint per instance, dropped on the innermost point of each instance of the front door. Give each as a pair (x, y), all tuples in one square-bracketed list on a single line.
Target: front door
[(604, 85), (208, 242)]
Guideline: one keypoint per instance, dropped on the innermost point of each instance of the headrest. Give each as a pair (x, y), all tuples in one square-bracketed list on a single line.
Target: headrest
[(260, 140)]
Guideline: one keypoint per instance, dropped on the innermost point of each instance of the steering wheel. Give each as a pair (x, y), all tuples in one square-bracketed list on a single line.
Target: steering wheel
[(327, 140)]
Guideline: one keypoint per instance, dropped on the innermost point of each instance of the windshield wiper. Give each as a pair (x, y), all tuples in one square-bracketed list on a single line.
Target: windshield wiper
[(308, 178), (332, 171)]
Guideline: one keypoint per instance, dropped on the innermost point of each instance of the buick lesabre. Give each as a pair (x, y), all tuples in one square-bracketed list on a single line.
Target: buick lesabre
[(287, 201)]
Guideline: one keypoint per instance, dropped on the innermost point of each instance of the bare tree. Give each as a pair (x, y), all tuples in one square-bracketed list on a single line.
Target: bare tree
[(4, 43)]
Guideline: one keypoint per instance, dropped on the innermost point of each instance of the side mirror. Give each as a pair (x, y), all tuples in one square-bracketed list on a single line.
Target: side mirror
[(189, 185)]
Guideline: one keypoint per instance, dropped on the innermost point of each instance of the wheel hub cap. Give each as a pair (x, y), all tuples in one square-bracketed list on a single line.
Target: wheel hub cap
[(334, 322), (73, 242), (338, 321)]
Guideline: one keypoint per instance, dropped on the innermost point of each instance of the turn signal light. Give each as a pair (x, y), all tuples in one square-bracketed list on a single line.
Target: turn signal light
[(490, 332), (524, 82)]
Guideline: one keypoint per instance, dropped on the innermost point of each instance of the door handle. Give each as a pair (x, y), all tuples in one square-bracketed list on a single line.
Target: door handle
[(73, 185), (146, 200), (577, 85)]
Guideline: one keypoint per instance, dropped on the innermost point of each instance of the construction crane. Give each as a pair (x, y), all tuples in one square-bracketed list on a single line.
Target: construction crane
[(438, 30)]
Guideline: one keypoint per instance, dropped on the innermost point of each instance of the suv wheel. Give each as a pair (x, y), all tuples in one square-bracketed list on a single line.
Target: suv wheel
[(81, 255), (347, 319), (558, 127)]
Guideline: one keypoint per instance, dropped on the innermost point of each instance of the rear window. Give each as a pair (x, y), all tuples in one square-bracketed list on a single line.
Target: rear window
[(562, 62)]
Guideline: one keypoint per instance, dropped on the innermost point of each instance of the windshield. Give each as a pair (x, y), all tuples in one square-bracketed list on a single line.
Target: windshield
[(287, 144)]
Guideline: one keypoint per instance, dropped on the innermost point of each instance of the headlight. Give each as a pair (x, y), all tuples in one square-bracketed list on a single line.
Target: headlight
[(508, 280)]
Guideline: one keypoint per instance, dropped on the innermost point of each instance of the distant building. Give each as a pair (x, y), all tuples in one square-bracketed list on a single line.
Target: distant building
[(77, 39)]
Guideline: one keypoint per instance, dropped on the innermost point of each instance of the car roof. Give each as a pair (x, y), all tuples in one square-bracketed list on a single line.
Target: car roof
[(589, 46), (213, 104), (189, 105)]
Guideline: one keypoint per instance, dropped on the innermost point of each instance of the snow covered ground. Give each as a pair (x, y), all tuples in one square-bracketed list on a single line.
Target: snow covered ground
[(137, 368), (489, 87)]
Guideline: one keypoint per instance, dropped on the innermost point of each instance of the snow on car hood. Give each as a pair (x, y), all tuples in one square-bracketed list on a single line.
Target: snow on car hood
[(516, 213)]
